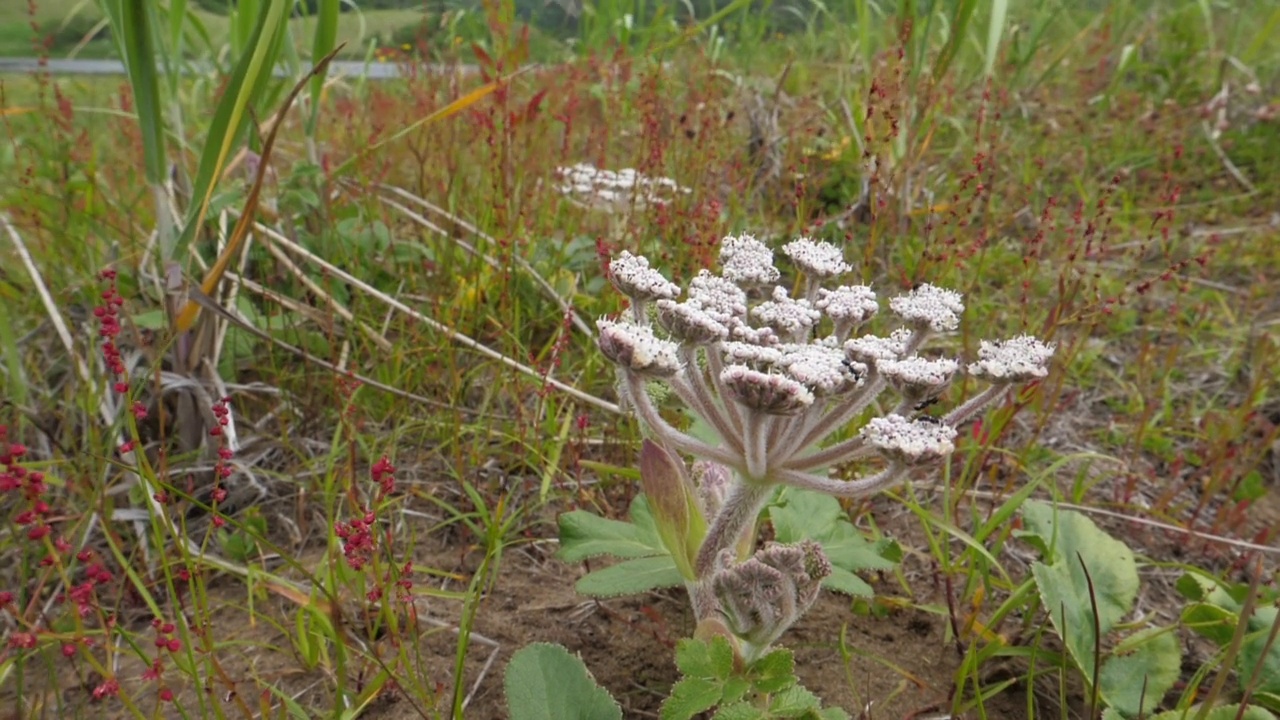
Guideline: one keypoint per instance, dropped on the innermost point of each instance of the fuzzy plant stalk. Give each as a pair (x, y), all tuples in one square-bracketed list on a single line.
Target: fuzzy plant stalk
[(773, 377)]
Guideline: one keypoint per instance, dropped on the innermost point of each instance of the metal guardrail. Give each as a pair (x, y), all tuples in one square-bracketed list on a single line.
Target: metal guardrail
[(348, 68)]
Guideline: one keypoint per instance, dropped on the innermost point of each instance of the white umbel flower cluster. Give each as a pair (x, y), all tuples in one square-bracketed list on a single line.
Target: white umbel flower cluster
[(1019, 359), (634, 278), (930, 307), (910, 441), (816, 259), (609, 190), (747, 262), (774, 375), (636, 348)]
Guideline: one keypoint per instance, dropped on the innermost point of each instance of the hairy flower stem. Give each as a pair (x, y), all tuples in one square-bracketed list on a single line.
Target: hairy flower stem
[(691, 386), (854, 405), (666, 433), (974, 405), (715, 364), (853, 488)]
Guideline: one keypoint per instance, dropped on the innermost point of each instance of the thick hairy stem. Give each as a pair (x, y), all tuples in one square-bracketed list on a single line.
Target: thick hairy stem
[(736, 517), (974, 405), (859, 488), (691, 386), (703, 598), (668, 434)]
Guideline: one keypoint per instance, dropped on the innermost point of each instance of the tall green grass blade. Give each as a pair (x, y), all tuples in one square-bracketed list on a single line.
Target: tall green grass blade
[(326, 35), (959, 27), (248, 80), (1266, 38), (134, 25), (999, 15)]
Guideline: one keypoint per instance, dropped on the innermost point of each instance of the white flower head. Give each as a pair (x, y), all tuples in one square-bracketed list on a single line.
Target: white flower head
[(819, 367), (718, 294), (791, 318), (745, 353), (919, 378), (742, 332), (689, 322), (747, 262), (769, 393), (1018, 359), (815, 258), (873, 349), (910, 441), (930, 307), (854, 303), (636, 347), (634, 278)]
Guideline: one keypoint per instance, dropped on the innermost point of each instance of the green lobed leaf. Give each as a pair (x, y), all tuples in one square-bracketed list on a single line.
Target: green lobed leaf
[(586, 535), (689, 697), (1270, 701), (794, 702), (739, 711), (1142, 669), (693, 658), (775, 671), (631, 577), (843, 581), (546, 682)]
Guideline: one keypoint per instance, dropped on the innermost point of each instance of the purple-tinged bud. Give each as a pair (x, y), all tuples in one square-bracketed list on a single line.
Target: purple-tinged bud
[(681, 525)]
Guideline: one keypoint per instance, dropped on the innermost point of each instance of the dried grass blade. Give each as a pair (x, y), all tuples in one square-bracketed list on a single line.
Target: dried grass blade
[(565, 305), (273, 236)]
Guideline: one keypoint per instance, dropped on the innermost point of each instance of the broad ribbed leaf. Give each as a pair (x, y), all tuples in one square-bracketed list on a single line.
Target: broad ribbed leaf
[(631, 577)]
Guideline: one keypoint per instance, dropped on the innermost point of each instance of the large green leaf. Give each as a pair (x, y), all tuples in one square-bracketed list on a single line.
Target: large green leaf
[(1253, 662), (546, 682), (631, 577), (1136, 677), (586, 535), (1073, 543)]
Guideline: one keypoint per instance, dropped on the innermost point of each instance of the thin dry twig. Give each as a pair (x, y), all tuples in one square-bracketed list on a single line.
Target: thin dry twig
[(1242, 544)]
